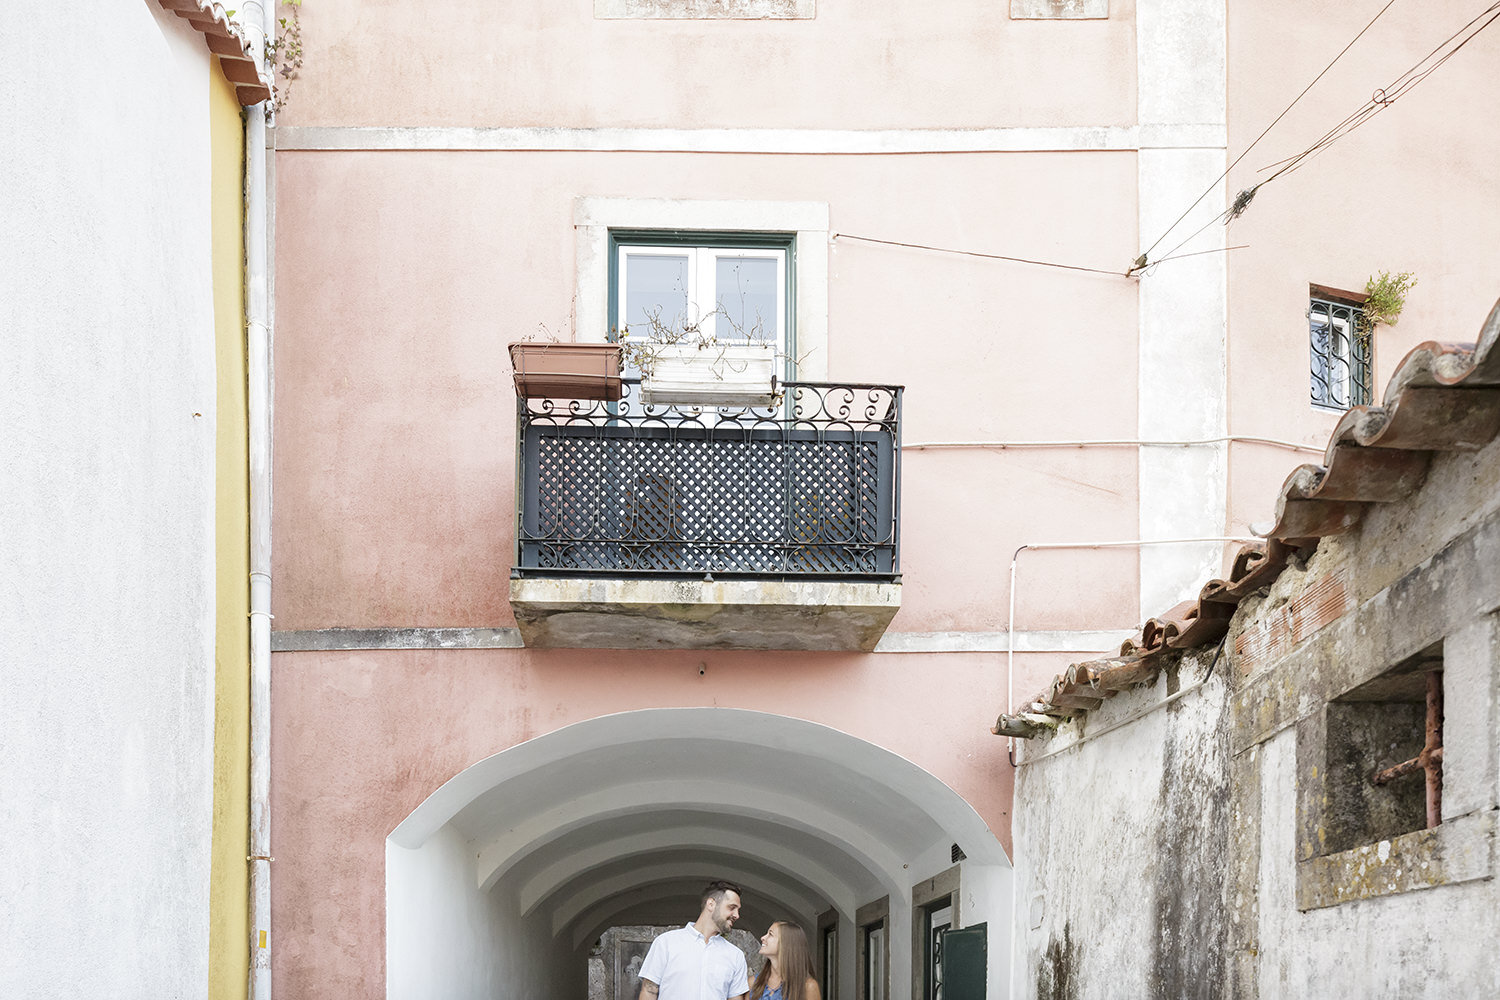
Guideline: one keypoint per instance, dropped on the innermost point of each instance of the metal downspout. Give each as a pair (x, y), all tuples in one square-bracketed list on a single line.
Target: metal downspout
[(258, 24)]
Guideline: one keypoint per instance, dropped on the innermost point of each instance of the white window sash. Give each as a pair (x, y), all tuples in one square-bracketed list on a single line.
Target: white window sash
[(703, 295)]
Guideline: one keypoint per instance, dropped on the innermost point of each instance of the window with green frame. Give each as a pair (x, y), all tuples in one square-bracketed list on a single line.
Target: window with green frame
[(732, 287)]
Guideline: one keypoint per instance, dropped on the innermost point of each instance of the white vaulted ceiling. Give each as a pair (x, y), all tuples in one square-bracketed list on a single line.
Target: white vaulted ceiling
[(622, 819)]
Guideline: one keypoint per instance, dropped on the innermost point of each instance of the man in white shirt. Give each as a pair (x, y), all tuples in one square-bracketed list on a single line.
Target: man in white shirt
[(696, 962)]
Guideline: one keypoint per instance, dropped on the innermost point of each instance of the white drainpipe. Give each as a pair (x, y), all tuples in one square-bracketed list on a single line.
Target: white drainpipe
[(258, 23)]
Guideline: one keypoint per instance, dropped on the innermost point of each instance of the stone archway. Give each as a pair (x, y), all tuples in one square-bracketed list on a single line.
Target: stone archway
[(504, 878)]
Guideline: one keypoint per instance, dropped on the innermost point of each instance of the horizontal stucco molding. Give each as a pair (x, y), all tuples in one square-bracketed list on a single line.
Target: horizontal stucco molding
[(1043, 641), (1020, 139)]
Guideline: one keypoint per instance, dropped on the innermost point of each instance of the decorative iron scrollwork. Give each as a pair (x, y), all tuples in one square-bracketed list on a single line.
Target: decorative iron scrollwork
[(808, 486)]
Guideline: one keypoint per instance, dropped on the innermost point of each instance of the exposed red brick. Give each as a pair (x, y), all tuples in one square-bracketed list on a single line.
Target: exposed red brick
[(1319, 605)]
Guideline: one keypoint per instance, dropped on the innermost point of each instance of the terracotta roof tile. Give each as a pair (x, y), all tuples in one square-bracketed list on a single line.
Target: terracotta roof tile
[(223, 37), (1443, 397), (1207, 622)]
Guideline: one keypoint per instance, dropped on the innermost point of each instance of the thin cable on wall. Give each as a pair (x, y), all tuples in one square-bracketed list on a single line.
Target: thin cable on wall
[(976, 253), (1388, 95), (1142, 260), (1382, 99)]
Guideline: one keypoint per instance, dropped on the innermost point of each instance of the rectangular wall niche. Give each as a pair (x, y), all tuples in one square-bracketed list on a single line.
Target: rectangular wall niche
[(1363, 823), (708, 10), (1376, 726), (1055, 10)]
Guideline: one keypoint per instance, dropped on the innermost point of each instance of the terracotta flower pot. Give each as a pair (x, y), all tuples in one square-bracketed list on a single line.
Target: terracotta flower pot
[(566, 371)]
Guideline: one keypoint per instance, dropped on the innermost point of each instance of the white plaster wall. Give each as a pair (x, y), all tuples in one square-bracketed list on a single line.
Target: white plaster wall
[(1433, 944), (106, 503), (438, 932), (986, 898), (1058, 836), (1126, 888), (1111, 873), (449, 939)]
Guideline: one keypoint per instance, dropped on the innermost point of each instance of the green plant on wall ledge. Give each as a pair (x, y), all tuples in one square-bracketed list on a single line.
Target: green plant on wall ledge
[(1385, 296)]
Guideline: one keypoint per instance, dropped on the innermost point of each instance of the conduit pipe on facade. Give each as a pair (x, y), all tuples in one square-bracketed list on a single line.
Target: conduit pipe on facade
[(258, 24), (1117, 443), (1010, 624)]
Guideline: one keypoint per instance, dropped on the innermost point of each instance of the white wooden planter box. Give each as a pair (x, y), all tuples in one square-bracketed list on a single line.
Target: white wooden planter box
[(716, 375)]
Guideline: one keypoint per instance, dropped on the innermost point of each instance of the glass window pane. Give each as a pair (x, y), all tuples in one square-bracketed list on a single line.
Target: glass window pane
[(655, 293), (1339, 355), (1323, 391), (745, 289)]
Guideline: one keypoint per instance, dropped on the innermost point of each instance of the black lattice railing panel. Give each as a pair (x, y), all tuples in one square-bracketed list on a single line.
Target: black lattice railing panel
[(807, 487)]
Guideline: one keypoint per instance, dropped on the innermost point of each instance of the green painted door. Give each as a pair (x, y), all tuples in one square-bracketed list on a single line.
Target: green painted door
[(964, 963)]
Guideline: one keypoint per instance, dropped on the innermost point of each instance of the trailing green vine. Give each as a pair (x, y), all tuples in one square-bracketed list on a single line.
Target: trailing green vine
[(285, 52)]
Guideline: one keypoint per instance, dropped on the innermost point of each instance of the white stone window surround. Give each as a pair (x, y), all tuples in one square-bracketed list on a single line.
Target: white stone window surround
[(705, 10), (594, 217)]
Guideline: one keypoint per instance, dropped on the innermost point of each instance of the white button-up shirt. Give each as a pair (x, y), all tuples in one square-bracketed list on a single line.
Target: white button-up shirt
[(686, 966)]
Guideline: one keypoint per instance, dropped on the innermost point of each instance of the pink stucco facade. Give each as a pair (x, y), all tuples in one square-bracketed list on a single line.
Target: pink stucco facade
[(1409, 191), (410, 250)]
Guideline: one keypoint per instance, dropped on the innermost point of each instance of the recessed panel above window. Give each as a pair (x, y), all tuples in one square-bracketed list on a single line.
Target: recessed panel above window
[(1054, 10), (706, 10)]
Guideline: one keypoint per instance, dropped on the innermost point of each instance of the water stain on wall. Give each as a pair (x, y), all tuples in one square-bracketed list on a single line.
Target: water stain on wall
[(1190, 957), (1058, 977)]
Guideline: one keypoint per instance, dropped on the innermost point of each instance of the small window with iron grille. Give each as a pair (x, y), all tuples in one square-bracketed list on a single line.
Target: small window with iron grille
[(1340, 349)]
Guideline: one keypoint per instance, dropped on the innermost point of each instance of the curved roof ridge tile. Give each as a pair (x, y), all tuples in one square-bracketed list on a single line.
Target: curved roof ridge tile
[(1486, 370), (1431, 363)]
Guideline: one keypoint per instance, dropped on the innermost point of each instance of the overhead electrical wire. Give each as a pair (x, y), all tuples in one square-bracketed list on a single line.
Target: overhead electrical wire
[(1390, 94), (1246, 151), (1379, 101), (976, 253)]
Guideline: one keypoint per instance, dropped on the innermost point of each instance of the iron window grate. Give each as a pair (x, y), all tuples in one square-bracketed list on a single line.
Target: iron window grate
[(1341, 352)]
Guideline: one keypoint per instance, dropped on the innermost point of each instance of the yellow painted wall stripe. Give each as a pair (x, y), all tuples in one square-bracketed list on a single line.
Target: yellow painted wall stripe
[(229, 921)]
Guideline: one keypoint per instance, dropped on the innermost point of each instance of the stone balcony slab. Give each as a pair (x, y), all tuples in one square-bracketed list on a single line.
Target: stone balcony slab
[(572, 613)]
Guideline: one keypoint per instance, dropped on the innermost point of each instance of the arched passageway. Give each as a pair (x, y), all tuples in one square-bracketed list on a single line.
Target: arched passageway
[(500, 882)]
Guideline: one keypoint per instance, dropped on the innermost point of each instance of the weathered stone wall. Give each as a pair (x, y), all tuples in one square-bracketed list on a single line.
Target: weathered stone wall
[(1121, 842), (1230, 843)]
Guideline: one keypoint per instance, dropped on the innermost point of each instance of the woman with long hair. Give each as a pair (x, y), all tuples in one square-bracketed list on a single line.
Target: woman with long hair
[(788, 972)]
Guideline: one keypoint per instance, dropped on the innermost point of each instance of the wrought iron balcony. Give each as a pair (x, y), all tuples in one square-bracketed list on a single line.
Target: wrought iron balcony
[(808, 487)]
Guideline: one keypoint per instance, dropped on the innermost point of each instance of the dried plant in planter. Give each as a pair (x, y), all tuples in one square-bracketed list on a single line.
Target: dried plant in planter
[(684, 361)]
